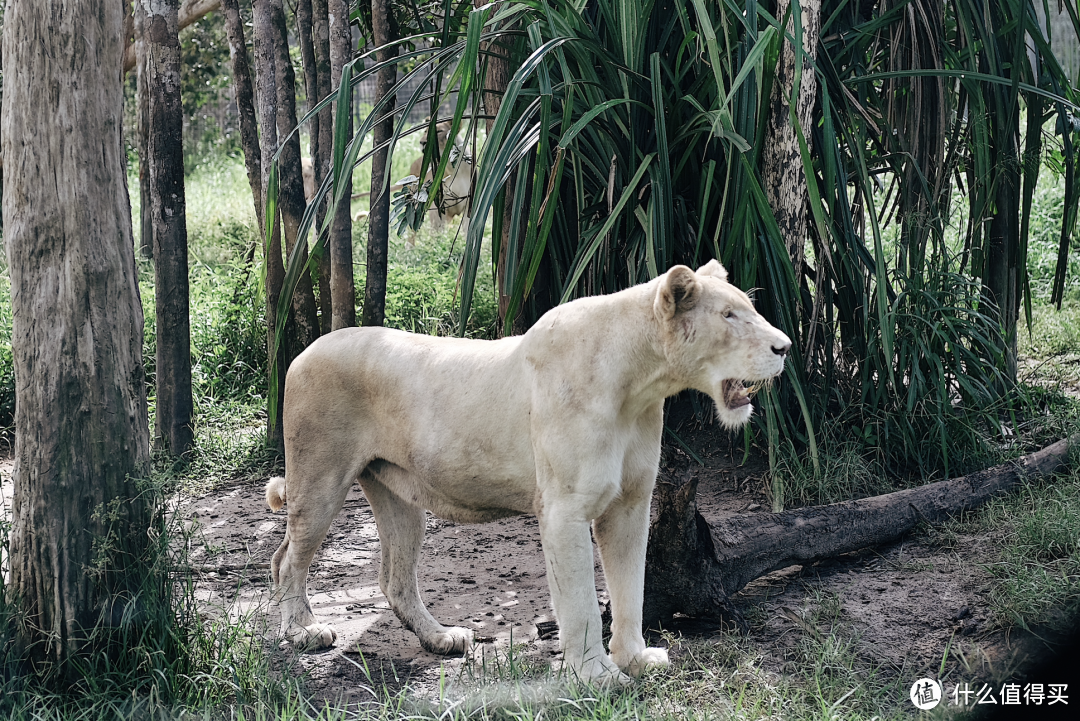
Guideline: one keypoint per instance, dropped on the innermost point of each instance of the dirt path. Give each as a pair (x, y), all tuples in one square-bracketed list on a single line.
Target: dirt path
[(899, 606)]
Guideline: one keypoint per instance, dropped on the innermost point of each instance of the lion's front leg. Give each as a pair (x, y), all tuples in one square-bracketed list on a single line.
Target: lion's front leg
[(568, 555), (622, 534)]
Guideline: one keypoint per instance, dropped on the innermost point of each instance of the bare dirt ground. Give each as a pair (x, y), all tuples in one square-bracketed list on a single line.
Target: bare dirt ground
[(901, 605)]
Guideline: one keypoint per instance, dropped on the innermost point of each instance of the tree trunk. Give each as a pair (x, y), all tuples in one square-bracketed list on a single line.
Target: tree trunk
[(374, 312), (81, 442), (166, 152), (142, 101), (291, 186), (496, 77), (266, 82), (1003, 276), (694, 567), (245, 103), (782, 170), (341, 250), (191, 11), (305, 31), (322, 137)]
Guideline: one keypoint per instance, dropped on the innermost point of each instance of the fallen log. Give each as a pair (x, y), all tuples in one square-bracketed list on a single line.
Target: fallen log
[(693, 567)]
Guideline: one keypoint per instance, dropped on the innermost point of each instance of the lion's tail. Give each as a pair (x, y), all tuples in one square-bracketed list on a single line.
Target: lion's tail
[(275, 493)]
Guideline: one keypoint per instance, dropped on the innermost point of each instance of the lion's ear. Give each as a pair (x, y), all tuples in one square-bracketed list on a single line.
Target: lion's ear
[(679, 292), (714, 269)]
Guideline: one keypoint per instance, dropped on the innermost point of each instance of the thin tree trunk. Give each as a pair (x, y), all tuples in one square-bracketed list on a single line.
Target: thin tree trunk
[(245, 104), (142, 102), (310, 51), (291, 187), (320, 27), (266, 82), (496, 77), (342, 286), (81, 442), (782, 168), (374, 312), (1003, 276), (694, 567), (166, 152)]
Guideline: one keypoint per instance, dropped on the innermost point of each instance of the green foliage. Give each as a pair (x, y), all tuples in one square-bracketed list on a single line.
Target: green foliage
[(629, 139), (156, 650), (422, 287), (1036, 581)]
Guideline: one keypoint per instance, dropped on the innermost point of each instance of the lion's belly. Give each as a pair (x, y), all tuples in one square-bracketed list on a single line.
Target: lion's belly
[(462, 483)]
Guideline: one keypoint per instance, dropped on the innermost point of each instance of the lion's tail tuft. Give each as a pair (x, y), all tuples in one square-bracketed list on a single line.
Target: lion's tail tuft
[(275, 493)]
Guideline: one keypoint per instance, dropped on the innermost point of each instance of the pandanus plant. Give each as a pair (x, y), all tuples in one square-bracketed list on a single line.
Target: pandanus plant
[(629, 138)]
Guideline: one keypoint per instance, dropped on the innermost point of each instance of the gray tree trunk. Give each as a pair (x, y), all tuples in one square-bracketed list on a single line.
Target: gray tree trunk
[(694, 567), (245, 103), (341, 250), (291, 188), (266, 83), (782, 169), (320, 130), (142, 102), (374, 312), (173, 431), (82, 441)]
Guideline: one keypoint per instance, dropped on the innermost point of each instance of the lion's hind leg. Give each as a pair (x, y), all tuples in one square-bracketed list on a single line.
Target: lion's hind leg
[(310, 514), (401, 534)]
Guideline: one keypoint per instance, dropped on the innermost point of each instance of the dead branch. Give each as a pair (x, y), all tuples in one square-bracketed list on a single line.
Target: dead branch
[(694, 567)]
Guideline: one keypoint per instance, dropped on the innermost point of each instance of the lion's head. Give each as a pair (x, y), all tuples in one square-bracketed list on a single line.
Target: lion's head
[(715, 341)]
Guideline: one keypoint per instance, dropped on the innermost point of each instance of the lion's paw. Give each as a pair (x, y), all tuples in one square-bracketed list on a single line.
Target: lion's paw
[(451, 640), (647, 659), (602, 671), (313, 637)]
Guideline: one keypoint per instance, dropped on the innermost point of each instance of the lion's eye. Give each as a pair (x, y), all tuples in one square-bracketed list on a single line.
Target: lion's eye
[(728, 313)]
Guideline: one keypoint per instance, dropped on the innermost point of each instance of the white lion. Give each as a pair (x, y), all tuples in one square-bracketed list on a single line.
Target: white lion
[(564, 422)]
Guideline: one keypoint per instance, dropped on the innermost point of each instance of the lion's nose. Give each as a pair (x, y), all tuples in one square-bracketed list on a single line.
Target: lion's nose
[(782, 349)]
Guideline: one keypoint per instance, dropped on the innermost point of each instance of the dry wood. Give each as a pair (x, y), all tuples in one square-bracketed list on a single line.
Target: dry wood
[(694, 567)]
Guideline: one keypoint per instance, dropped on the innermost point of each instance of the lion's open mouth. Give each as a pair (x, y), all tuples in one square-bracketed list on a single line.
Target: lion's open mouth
[(737, 394)]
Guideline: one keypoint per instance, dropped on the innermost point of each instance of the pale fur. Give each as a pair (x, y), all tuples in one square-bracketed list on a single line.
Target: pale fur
[(564, 422)]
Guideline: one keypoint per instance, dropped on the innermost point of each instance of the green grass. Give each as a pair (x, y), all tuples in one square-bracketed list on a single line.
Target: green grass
[(1036, 578)]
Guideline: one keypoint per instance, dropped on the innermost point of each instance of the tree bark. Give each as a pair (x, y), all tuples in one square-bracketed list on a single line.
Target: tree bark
[(1003, 276), (496, 77), (82, 441), (782, 170), (166, 152), (291, 185), (322, 136), (374, 312), (245, 103), (694, 567), (342, 286), (191, 11), (142, 100), (266, 83)]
